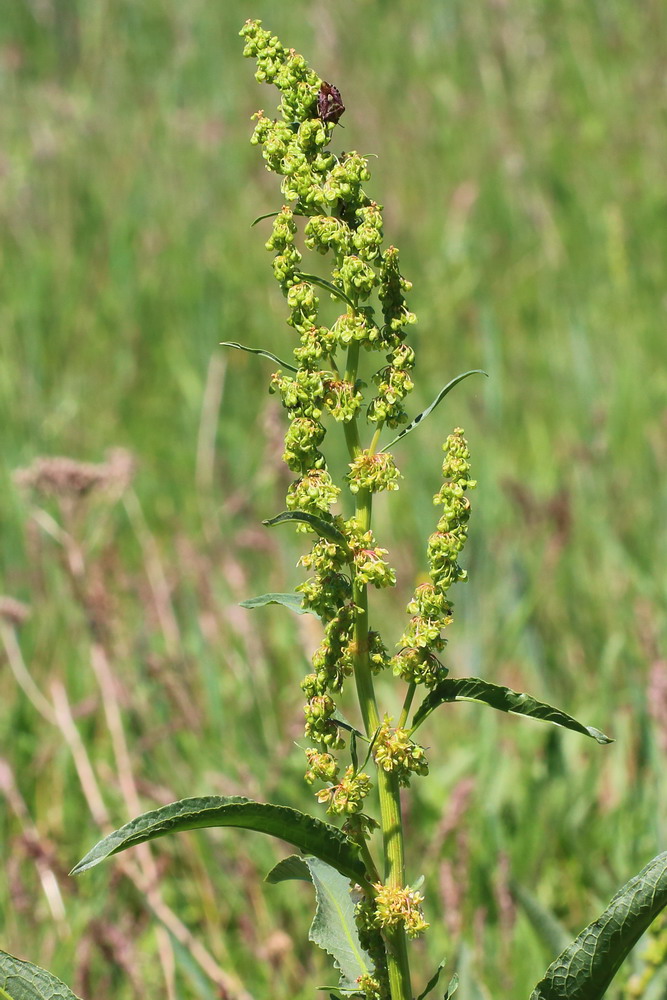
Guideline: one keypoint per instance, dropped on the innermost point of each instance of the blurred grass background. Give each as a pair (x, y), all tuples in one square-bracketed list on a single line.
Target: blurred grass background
[(521, 150)]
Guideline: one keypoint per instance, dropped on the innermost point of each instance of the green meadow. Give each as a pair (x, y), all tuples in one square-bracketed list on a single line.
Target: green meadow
[(521, 150)]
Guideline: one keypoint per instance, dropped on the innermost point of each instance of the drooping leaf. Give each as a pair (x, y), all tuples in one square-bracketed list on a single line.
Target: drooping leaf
[(318, 524), (429, 409), (308, 834), (433, 981), (258, 350), (584, 970), (25, 981), (315, 279), (291, 869), (502, 698), (333, 928), (291, 601)]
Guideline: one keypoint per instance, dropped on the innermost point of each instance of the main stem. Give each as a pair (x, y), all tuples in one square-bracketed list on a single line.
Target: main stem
[(391, 822)]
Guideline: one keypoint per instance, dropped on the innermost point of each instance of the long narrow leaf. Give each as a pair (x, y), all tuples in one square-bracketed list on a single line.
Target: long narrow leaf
[(315, 279), (291, 601), (260, 352), (502, 698), (25, 981), (308, 834), (586, 968), (433, 981), (322, 527), (429, 409)]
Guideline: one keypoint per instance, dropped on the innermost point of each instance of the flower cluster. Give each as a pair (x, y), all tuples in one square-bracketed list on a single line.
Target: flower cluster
[(430, 607), (373, 472), (399, 906), (348, 795), (394, 751)]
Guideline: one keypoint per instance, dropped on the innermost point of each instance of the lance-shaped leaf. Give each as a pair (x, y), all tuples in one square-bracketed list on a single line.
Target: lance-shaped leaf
[(433, 981), (308, 834), (315, 279), (262, 353), (291, 601), (586, 968), (502, 698), (429, 409), (324, 528), (25, 981), (333, 928)]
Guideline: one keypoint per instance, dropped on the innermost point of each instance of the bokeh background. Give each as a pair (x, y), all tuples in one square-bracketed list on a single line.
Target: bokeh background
[(521, 150)]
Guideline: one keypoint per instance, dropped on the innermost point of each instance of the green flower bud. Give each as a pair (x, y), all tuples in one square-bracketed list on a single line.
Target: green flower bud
[(418, 665), (313, 493), (321, 766), (301, 441), (392, 286)]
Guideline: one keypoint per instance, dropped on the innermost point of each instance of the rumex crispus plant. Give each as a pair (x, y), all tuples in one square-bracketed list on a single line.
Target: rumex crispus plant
[(355, 370)]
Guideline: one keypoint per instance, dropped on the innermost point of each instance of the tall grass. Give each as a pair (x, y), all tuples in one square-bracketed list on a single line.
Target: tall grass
[(531, 216)]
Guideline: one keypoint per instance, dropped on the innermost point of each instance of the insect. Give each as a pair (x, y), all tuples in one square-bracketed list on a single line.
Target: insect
[(330, 105)]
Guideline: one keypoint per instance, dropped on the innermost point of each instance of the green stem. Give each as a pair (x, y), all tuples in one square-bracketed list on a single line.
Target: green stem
[(398, 965)]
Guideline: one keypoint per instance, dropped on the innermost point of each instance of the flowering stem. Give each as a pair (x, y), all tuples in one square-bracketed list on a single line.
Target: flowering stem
[(390, 804)]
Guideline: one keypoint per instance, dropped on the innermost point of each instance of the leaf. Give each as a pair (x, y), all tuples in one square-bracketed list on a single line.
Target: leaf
[(584, 970), (318, 524), (308, 834), (260, 218), (24, 981), (291, 869), (502, 698), (291, 601), (433, 981), (438, 399), (452, 988), (258, 350), (333, 928), (315, 279)]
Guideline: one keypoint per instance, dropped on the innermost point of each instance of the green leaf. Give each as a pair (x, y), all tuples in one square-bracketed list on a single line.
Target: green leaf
[(429, 409), (584, 970), (24, 981), (258, 350), (452, 988), (260, 218), (318, 524), (502, 698), (333, 928), (291, 601), (315, 279), (433, 981), (308, 834), (291, 869)]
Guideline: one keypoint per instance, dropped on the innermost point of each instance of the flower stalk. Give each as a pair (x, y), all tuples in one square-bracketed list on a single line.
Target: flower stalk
[(327, 212)]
